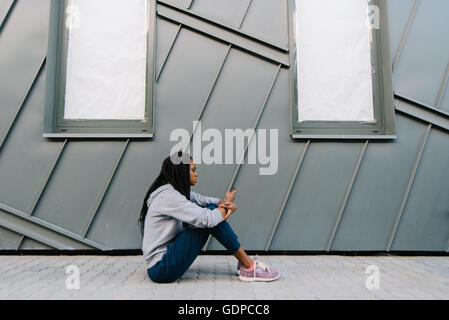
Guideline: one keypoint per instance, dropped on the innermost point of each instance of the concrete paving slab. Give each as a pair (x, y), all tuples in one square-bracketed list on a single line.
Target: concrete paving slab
[(213, 277)]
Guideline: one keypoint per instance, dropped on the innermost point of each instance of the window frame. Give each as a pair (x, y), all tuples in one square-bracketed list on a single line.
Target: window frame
[(55, 126), (384, 111)]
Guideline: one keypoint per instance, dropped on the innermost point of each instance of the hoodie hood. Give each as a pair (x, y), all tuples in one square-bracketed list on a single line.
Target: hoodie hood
[(156, 192)]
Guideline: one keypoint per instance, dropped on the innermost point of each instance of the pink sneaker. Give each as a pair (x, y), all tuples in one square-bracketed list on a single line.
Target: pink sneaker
[(261, 272), (239, 266)]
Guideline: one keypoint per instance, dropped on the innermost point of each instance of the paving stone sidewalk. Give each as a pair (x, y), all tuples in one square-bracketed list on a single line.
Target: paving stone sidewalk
[(213, 277)]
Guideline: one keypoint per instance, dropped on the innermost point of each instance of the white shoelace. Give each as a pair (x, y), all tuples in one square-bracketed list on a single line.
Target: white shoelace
[(262, 266)]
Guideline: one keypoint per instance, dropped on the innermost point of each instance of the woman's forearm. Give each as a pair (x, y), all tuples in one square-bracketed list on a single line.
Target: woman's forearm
[(230, 196)]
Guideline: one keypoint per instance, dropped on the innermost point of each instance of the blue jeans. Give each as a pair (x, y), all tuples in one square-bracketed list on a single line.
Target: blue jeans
[(185, 248)]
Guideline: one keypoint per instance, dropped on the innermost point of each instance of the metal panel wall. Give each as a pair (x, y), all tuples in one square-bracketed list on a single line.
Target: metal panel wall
[(400, 13), (5, 7), (226, 63), (421, 68), (378, 190), (425, 221)]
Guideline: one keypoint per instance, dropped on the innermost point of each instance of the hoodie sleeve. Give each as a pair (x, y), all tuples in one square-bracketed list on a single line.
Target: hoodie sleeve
[(201, 200), (175, 205)]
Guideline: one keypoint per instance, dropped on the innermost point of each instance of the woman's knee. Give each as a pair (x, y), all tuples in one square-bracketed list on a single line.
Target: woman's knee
[(224, 226)]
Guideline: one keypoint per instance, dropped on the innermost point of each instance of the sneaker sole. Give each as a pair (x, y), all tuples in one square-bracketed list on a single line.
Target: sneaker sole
[(252, 279)]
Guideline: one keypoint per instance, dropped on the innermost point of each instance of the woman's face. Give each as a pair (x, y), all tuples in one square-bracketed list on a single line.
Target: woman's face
[(193, 173)]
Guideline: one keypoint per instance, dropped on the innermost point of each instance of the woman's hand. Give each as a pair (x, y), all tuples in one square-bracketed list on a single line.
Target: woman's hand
[(230, 208)]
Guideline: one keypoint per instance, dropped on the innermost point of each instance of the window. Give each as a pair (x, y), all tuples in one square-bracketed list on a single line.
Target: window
[(340, 69), (100, 69)]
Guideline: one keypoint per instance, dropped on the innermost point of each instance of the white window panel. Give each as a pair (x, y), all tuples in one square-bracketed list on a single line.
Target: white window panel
[(106, 60), (334, 61)]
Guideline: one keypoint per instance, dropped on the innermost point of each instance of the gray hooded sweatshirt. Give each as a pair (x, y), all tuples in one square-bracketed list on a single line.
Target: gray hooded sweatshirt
[(168, 209)]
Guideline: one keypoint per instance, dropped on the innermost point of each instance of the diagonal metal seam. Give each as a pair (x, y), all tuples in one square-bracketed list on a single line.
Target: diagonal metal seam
[(229, 28), (256, 123), (23, 102), (443, 88), (409, 186), (50, 226), (405, 34), (189, 6), (347, 194), (169, 51), (420, 104), (287, 195), (47, 179), (108, 183), (32, 235), (245, 13), (220, 35), (20, 242), (7, 15), (437, 117), (45, 226), (209, 94)]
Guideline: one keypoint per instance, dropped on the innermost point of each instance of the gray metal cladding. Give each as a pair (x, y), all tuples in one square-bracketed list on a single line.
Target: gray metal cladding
[(445, 100), (24, 42), (5, 7), (400, 12), (82, 164), (225, 63), (265, 19), (230, 12), (10, 240), (425, 221), (29, 244), (316, 202), (37, 230), (26, 160), (378, 191), (421, 67)]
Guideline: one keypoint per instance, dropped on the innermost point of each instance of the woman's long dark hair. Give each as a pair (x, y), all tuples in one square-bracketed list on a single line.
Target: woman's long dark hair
[(176, 171)]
